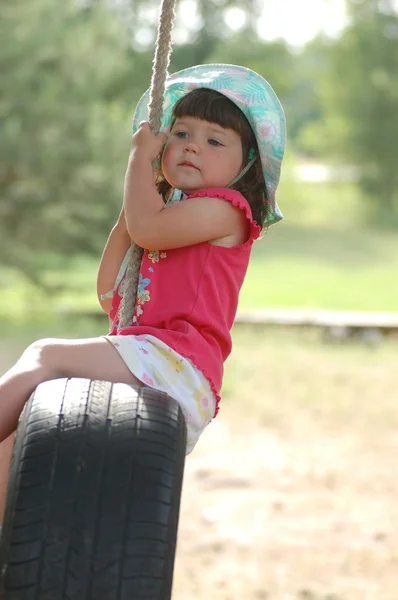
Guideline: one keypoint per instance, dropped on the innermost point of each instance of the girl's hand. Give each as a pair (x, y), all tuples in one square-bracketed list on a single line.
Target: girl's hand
[(146, 144)]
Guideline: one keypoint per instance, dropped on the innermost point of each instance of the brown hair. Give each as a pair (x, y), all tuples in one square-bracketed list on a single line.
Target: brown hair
[(214, 107)]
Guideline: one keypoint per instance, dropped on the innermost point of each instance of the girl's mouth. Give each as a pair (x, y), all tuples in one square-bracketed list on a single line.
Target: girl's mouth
[(187, 163)]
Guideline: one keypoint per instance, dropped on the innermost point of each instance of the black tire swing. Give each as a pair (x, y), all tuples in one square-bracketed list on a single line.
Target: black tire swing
[(95, 480)]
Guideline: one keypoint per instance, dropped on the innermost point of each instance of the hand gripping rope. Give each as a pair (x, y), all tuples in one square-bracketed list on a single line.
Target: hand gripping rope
[(155, 108)]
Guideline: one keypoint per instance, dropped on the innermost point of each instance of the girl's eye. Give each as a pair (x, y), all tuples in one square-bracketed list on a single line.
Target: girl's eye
[(214, 143), (182, 135)]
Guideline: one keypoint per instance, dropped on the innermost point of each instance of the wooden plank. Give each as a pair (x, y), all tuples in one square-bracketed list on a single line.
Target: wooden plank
[(318, 318), (296, 318)]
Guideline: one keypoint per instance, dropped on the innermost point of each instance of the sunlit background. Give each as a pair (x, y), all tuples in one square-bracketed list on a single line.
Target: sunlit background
[(306, 19)]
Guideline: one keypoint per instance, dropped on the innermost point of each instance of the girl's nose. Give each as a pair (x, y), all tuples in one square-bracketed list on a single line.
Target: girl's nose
[(191, 146)]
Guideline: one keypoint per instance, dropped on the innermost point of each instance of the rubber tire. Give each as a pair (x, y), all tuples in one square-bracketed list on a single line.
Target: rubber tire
[(94, 494)]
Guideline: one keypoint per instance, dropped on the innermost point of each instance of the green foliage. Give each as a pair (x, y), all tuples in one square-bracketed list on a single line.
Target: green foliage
[(308, 104), (361, 99), (65, 109), (304, 103), (273, 61), (210, 43)]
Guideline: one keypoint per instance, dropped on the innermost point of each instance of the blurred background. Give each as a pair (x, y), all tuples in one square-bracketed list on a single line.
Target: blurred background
[(301, 502), (71, 75)]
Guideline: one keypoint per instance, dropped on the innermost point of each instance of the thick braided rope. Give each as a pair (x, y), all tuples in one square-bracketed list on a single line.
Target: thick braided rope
[(155, 108)]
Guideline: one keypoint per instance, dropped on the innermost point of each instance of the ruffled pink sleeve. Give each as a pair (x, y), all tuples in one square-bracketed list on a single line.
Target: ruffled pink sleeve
[(236, 199)]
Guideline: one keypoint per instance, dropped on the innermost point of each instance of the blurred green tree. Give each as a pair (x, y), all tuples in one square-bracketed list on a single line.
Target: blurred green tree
[(68, 78), (208, 33), (361, 99), (307, 103), (272, 60)]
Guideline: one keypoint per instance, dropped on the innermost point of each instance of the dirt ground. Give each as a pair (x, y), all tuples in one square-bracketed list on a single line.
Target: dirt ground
[(291, 493), (312, 517)]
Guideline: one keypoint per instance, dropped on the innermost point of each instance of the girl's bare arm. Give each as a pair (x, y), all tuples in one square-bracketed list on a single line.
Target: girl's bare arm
[(115, 250), (153, 225)]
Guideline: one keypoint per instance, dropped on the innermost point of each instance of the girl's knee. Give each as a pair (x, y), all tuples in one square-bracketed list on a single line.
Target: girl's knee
[(40, 355), (39, 347)]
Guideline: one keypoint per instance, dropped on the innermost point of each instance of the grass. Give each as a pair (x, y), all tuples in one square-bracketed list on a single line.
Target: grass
[(325, 254), (302, 267)]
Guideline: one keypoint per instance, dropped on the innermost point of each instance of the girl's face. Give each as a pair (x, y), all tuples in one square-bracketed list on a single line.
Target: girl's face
[(200, 155)]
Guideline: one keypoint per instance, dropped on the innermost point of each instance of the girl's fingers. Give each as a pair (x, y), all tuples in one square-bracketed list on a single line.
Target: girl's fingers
[(146, 142), (162, 137)]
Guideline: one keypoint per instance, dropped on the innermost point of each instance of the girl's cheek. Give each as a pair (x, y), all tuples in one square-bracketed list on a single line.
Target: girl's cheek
[(166, 156)]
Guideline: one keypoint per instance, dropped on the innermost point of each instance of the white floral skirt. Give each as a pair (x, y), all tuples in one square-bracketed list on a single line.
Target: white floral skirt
[(158, 366)]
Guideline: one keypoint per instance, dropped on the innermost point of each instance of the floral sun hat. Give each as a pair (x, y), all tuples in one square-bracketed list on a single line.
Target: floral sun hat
[(255, 98)]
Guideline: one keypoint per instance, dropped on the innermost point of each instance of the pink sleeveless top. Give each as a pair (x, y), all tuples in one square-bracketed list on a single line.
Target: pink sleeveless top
[(188, 297)]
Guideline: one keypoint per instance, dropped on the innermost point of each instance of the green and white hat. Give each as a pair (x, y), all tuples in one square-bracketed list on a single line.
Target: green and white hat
[(255, 98)]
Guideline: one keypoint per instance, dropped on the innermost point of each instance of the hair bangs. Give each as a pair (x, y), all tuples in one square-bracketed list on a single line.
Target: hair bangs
[(209, 105)]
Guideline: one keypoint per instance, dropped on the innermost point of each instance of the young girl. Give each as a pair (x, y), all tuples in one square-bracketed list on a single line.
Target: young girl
[(196, 216)]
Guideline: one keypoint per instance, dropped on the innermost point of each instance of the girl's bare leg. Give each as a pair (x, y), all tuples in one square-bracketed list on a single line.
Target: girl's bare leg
[(93, 358)]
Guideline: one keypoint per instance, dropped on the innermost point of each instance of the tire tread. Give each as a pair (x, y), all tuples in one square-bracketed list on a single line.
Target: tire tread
[(93, 502)]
